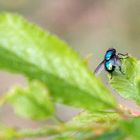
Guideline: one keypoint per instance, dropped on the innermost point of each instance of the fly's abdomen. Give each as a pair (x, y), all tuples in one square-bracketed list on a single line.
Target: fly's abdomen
[(109, 66)]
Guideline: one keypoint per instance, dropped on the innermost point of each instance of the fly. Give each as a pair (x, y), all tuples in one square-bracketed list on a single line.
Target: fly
[(111, 61)]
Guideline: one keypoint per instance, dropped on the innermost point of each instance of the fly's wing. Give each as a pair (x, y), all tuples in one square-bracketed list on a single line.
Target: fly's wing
[(115, 61), (118, 61), (99, 68)]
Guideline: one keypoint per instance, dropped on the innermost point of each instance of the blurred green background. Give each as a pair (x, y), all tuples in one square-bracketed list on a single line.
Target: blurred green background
[(89, 26)]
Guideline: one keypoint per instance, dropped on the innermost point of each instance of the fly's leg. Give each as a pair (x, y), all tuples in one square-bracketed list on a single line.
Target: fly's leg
[(111, 76), (120, 69), (123, 56)]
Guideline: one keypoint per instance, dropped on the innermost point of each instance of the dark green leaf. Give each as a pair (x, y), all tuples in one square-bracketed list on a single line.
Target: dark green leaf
[(112, 135), (138, 84), (132, 128)]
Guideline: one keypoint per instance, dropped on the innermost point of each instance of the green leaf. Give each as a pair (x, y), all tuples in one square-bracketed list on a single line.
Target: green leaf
[(138, 84), (88, 125), (27, 49), (112, 135), (31, 102), (127, 84), (131, 128), (90, 119)]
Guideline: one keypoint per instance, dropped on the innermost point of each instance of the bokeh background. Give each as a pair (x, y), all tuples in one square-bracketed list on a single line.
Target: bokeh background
[(89, 26)]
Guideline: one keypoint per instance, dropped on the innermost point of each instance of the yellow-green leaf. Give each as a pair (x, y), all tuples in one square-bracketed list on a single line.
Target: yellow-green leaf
[(126, 84), (27, 49), (31, 102)]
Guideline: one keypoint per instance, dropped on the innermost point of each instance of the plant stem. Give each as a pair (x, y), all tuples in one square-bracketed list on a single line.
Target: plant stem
[(41, 132), (125, 114)]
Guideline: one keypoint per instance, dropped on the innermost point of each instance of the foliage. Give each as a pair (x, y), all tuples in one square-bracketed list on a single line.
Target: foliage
[(42, 56), (127, 84), (57, 74), (31, 102)]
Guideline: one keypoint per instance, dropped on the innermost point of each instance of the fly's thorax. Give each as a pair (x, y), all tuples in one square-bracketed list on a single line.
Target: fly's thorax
[(110, 53)]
